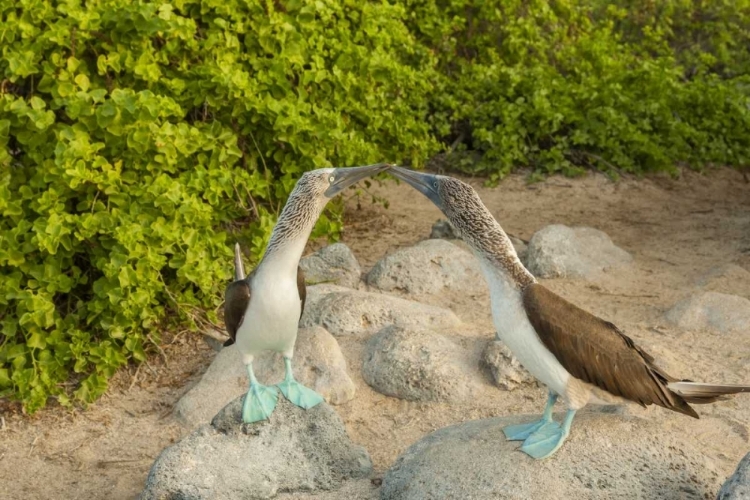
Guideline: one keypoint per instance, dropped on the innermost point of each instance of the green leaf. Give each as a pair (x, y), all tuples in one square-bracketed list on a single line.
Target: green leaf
[(65, 89), (36, 341), (83, 82)]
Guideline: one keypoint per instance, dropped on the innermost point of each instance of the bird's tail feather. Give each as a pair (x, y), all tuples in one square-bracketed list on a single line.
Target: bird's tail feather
[(239, 269), (699, 393)]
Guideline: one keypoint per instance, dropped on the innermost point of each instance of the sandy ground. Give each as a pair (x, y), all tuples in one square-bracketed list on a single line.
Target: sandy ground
[(675, 229)]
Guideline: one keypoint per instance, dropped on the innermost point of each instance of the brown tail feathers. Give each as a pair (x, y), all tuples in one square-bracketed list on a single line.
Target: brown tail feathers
[(699, 393)]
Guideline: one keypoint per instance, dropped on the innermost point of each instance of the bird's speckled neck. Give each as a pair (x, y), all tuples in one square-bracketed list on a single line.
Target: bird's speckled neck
[(292, 230), (483, 233)]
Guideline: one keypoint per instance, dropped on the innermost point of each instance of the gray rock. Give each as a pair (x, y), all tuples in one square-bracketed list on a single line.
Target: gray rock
[(737, 487), (419, 366), (316, 293), (318, 363), (296, 451), (351, 312), (334, 264), (506, 370), (605, 457), (430, 267), (711, 311), (726, 278), (578, 252), (443, 229)]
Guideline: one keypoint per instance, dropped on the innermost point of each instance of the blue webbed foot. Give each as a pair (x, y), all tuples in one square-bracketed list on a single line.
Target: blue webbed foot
[(300, 395), (544, 442), (548, 439), (521, 432), (297, 393), (259, 403)]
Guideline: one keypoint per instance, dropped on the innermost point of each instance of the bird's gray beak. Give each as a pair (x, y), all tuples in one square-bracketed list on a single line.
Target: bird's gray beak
[(345, 177), (424, 183), (239, 269)]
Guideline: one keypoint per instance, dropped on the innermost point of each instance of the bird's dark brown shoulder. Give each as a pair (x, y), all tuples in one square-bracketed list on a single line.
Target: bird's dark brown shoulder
[(236, 300)]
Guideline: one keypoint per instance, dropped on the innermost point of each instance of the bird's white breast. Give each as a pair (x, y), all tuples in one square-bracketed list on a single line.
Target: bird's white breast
[(515, 330), (272, 316)]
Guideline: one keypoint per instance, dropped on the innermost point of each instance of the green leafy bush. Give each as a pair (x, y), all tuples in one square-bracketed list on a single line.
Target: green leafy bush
[(559, 86), (136, 135)]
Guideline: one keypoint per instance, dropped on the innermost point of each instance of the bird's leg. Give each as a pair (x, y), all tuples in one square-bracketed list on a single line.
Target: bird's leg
[(522, 431), (546, 441), (260, 400), (295, 392)]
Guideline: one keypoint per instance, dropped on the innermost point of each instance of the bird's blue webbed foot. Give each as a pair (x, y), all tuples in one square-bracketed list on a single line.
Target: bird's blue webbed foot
[(548, 439), (297, 393), (260, 400), (521, 432)]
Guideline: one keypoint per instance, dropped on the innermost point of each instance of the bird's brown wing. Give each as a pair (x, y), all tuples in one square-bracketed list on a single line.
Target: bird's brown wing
[(597, 352), (302, 289), (236, 300)]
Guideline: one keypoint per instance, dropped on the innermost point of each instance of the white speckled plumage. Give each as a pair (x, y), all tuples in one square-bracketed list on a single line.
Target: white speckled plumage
[(262, 311)]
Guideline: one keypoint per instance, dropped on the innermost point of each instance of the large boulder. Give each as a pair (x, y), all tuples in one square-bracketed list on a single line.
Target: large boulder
[(420, 366), (575, 252), (318, 364), (295, 451), (335, 264), (737, 487), (605, 457), (350, 312), (428, 268), (506, 370), (711, 311)]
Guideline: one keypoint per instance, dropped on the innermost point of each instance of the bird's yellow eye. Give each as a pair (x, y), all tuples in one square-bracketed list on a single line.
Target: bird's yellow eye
[(331, 179)]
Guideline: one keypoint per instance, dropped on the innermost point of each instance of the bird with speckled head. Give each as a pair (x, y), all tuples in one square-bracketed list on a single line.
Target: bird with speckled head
[(581, 358), (262, 310)]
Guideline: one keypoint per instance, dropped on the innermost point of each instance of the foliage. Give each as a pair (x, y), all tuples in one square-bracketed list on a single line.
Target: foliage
[(139, 139), (136, 135), (636, 86)]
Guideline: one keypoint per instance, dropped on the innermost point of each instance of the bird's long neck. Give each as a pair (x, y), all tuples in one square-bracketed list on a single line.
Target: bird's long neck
[(290, 235), (490, 243)]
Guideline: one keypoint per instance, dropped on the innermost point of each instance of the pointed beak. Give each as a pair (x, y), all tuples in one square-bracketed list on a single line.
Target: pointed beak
[(239, 269), (422, 182), (345, 177)]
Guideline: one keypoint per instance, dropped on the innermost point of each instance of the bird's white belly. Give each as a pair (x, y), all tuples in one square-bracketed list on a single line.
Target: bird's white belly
[(271, 320), (515, 330)]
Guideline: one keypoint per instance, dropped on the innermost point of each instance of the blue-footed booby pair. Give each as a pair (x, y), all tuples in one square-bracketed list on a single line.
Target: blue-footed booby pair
[(262, 310), (578, 356)]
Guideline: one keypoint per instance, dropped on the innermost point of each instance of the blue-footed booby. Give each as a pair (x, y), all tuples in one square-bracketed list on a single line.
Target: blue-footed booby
[(262, 310), (578, 356)]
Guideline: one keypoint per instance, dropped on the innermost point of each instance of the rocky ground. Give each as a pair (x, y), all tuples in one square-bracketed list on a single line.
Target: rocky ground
[(397, 336)]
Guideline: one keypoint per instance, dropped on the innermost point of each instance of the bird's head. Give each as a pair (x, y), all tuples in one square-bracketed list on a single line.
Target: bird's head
[(456, 199), (325, 183)]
